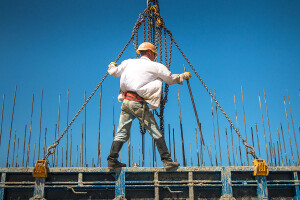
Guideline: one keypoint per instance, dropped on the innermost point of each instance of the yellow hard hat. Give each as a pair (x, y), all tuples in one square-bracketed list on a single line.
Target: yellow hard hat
[(146, 46)]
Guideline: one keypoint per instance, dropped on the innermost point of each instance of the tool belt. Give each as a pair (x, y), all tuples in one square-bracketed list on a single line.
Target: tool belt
[(133, 96)]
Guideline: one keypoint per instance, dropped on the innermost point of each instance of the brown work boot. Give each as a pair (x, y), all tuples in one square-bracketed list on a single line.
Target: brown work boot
[(164, 154), (112, 159)]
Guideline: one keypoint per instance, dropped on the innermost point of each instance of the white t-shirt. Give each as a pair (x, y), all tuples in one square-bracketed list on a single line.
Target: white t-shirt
[(144, 77)]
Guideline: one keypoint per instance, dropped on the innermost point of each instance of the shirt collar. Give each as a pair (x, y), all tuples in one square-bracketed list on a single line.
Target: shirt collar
[(144, 57)]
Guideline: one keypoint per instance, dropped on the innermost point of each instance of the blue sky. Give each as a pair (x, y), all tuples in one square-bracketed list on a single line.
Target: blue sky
[(61, 45)]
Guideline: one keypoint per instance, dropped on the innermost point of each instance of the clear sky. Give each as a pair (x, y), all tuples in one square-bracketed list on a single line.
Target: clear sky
[(60, 45)]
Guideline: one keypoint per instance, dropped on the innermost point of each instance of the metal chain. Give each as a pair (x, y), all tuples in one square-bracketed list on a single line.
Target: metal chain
[(252, 151), (53, 147)]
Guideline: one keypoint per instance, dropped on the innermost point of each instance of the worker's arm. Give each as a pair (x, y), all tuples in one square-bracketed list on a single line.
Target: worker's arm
[(116, 71), (171, 79)]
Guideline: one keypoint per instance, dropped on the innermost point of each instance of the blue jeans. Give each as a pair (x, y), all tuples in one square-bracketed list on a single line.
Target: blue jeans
[(131, 110)]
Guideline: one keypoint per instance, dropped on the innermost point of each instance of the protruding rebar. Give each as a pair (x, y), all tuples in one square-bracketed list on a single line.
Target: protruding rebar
[(33, 160), (29, 138), (85, 131), (197, 148), (17, 154), (257, 139), (233, 159), (228, 154), (71, 149), (287, 121), (212, 115), (278, 154), (11, 124), (191, 154), (182, 141), (218, 131), (174, 147), (67, 142), (2, 118), (45, 141), (245, 126), (209, 155), (129, 152), (170, 148), (24, 145), (13, 157), (262, 118), (280, 147), (40, 131), (195, 110), (114, 116), (62, 156), (293, 127), (99, 133), (54, 155), (271, 157), (237, 126), (77, 156), (81, 157), (286, 161)]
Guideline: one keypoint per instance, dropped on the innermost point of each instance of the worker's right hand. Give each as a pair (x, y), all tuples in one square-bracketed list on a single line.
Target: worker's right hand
[(112, 68), (187, 75)]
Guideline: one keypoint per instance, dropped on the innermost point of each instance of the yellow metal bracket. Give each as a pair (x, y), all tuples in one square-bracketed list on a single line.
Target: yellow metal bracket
[(261, 168), (40, 169)]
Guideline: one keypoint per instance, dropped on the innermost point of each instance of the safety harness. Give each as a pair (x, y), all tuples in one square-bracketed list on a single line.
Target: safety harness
[(133, 96)]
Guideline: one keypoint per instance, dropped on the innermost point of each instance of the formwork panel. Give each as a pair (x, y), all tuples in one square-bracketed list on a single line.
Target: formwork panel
[(212, 176), (172, 176), (19, 177), (286, 193), (62, 177), (139, 176), (242, 193), (167, 193), (242, 175), (68, 194), (201, 193), (88, 177), (277, 175), (140, 194), (18, 194)]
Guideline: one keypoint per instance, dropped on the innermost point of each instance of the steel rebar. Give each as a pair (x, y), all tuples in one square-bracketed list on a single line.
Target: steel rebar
[(67, 145), (293, 127), (2, 118), (289, 131), (262, 118), (237, 126), (11, 124), (99, 132), (17, 154), (246, 149), (227, 148), (280, 147), (71, 149), (218, 130), (174, 146), (257, 139), (195, 110), (13, 157), (209, 154), (233, 159), (271, 157), (283, 144), (212, 115), (191, 154), (197, 148), (182, 140), (85, 131), (33, 154), (45, 141), (279, 163), (24, 146), (40, 131), (170, 148)]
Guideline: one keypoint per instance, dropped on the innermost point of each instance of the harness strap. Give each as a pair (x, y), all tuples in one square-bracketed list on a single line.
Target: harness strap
[(133, 96)]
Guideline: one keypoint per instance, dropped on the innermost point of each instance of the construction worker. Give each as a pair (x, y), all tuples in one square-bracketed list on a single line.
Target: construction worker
[(141, 84)]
